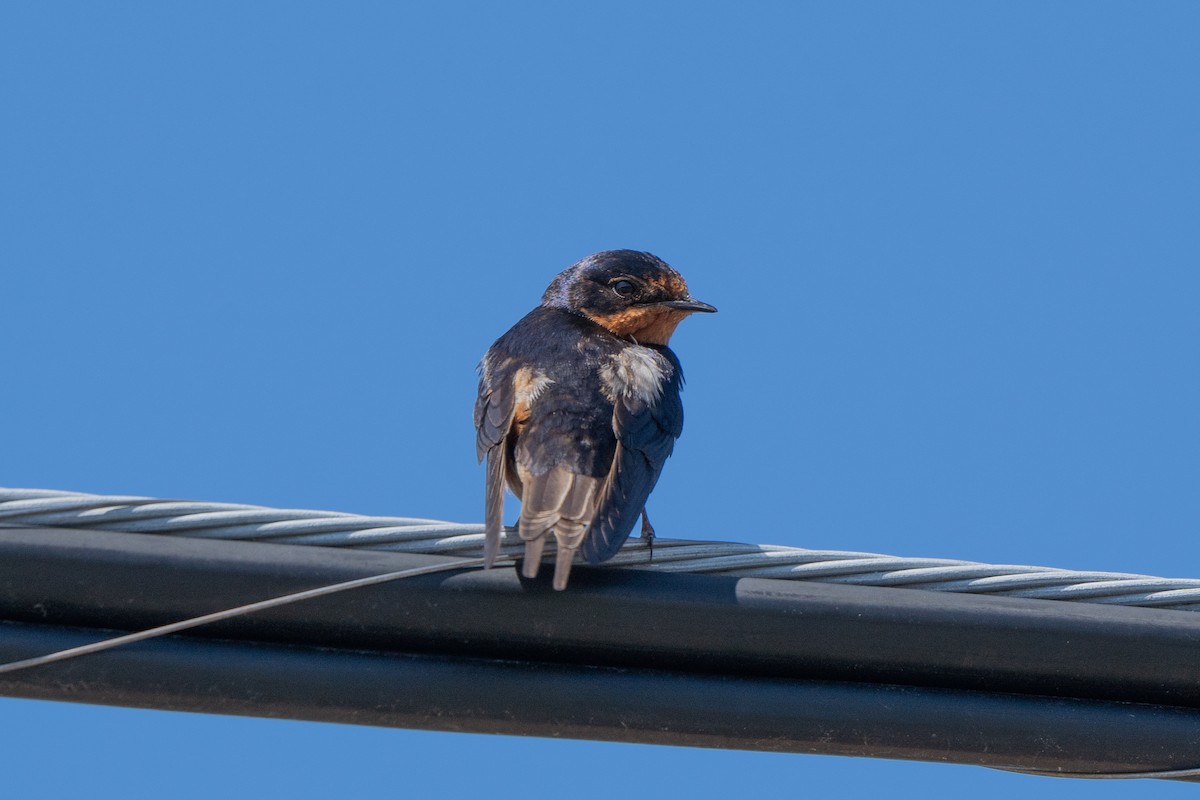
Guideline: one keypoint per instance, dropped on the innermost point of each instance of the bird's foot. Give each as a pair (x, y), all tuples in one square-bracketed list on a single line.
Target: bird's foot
[(648, 534)]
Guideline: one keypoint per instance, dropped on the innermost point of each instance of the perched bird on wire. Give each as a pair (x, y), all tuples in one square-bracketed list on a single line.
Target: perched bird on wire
[(579, 408)]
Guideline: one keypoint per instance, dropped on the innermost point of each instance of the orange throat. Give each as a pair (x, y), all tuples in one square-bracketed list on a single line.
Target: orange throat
[(645, 324)]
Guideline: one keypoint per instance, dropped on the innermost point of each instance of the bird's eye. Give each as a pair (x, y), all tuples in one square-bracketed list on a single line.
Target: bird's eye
[(623, 287)]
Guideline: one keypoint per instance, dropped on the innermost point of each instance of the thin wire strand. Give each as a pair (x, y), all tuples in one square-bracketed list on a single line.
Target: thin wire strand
[(1165, 774), (237, 611)]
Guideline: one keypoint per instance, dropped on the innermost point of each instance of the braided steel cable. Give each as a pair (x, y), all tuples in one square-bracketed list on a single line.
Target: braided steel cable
[(128, 514)]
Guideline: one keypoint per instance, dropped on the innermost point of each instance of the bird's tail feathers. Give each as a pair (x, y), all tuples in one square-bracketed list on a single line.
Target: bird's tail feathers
[(493, 512)]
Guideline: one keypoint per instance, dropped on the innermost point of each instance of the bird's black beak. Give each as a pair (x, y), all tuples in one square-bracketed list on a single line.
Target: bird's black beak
[(689, 305)]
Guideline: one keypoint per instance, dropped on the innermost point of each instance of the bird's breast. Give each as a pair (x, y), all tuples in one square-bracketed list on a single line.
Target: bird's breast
[(635, 373)]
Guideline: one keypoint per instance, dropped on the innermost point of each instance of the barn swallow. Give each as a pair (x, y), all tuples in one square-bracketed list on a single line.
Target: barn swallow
[(579, 408)]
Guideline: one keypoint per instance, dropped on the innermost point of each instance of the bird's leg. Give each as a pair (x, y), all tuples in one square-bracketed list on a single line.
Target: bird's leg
[(648, 533)]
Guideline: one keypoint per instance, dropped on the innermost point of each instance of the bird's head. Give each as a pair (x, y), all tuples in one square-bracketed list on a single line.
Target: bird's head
[(628, 292)]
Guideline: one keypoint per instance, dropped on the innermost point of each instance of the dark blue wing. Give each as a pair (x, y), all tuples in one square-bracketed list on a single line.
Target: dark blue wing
[(493, 415), (646, 434)]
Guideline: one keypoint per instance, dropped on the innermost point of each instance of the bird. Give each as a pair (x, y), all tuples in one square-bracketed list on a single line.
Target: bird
[(578, 408)]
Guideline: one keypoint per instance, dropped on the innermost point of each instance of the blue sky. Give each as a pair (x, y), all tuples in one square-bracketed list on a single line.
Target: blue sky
[(253, 252)]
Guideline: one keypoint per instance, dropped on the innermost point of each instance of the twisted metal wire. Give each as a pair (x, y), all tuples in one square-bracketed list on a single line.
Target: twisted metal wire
[(44, 507)]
